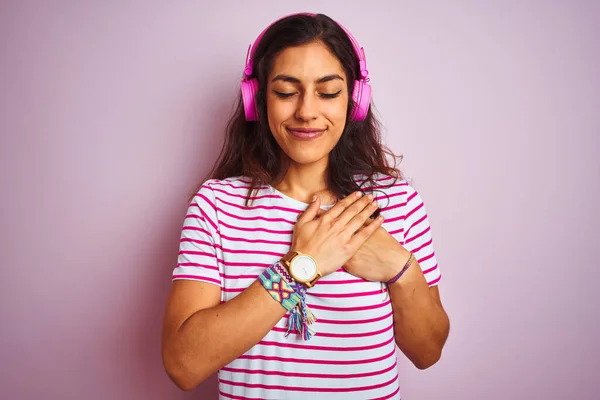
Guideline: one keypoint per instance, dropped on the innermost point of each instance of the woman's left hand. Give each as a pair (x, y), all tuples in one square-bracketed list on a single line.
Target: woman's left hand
[(379, 259)]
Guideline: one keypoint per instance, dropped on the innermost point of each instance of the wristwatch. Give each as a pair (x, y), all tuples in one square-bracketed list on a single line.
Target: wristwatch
[(302, 267)]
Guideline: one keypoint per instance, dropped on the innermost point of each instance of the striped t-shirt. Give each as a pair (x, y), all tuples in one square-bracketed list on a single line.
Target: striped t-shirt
[(353, 353)]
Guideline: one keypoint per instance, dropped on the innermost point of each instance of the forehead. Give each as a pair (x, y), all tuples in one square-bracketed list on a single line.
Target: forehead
[(307, 62)]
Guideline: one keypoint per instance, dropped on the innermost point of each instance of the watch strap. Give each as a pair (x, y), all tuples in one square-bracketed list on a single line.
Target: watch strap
[(287, 257), (314, 280)]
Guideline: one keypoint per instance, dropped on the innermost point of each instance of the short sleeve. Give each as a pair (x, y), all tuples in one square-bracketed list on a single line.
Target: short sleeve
[(418, 237), (198, 255)]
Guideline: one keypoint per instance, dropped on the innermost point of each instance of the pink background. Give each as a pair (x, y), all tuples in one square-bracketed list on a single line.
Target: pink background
[(111, 112)]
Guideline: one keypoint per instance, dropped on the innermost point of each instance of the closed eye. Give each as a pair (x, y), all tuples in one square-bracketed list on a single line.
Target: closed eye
[(283, 95), (324, 95), (331, 95)]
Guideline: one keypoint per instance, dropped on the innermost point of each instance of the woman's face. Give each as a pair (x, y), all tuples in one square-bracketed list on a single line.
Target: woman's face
[(307, 101)]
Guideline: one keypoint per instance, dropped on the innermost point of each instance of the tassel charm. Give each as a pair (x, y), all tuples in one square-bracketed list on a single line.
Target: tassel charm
[(305, 331), (292, 297)]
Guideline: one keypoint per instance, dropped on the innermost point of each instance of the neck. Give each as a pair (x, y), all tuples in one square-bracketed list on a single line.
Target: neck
[(302, 181)]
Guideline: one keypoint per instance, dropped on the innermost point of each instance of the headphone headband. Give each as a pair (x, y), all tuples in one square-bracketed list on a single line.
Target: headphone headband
[(359, 51)]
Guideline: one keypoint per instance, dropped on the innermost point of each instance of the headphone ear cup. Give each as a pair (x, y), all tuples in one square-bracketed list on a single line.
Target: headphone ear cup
[(249, 88), (361, 95)]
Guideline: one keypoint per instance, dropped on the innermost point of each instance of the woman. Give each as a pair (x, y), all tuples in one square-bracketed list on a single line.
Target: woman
[(289, 281)]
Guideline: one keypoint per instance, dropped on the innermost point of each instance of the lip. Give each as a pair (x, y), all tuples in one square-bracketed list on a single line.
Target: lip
[(305, 133)]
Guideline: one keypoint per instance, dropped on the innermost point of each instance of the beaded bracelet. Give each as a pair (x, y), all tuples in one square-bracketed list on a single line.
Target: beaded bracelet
[(408, 263), (292, 297)]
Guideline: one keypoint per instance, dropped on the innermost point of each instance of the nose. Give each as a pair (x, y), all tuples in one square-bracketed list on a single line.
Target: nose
[(307, 108)]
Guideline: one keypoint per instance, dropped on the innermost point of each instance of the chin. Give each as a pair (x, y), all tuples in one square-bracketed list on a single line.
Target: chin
[(305, 158)]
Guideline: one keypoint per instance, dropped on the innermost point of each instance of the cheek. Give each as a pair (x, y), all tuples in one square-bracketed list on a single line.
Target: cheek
[(336, 112), (278, 111)]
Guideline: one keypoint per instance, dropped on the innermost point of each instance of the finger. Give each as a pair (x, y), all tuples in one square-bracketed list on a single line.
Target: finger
[(358, 220), (365, 233), (355, 209), (320, 212), (340, 206), (368, 221), (311, 211)]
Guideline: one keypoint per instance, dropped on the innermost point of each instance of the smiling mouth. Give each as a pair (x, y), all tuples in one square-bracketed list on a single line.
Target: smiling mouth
[(305, 134)]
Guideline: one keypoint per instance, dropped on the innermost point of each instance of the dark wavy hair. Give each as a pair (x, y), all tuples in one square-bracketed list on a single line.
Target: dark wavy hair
[(250, 149)]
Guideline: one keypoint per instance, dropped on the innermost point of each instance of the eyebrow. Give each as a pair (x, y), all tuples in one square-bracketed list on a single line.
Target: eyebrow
[(291, 79)]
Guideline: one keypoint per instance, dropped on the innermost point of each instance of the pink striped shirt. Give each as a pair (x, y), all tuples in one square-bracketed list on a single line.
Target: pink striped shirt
[(353, 354)]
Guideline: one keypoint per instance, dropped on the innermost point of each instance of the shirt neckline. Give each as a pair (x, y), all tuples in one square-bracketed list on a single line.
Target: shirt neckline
[(296, 203)]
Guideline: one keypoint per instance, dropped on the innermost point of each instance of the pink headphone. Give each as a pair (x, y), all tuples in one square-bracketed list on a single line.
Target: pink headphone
[(361, 93)]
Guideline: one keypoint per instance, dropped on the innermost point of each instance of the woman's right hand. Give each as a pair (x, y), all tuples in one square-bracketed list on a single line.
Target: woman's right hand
[(332, 237)]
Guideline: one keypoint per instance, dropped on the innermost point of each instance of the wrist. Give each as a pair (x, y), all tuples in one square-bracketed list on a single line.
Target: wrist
[(401, 264), (292, 298), (283, 271), (301, 267)]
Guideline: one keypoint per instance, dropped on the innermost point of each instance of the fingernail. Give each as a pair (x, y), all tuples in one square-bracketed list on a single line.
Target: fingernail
[(313, 198), (358, 194)]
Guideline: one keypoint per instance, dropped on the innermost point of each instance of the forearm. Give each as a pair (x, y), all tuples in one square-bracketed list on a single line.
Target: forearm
[(421, 325), (213, 337)]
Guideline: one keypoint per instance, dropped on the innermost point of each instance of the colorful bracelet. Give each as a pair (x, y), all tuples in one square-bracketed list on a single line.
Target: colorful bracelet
[(279, 289), (283, 272), (408, 263), (292, 297)]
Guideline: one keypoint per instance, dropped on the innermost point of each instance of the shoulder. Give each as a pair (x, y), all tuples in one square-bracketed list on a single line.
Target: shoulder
[(229, 192), (397, 197), (384, 185), (216, 188)]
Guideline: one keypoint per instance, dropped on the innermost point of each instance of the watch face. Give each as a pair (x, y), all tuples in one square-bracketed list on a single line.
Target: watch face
[(304, 267)]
